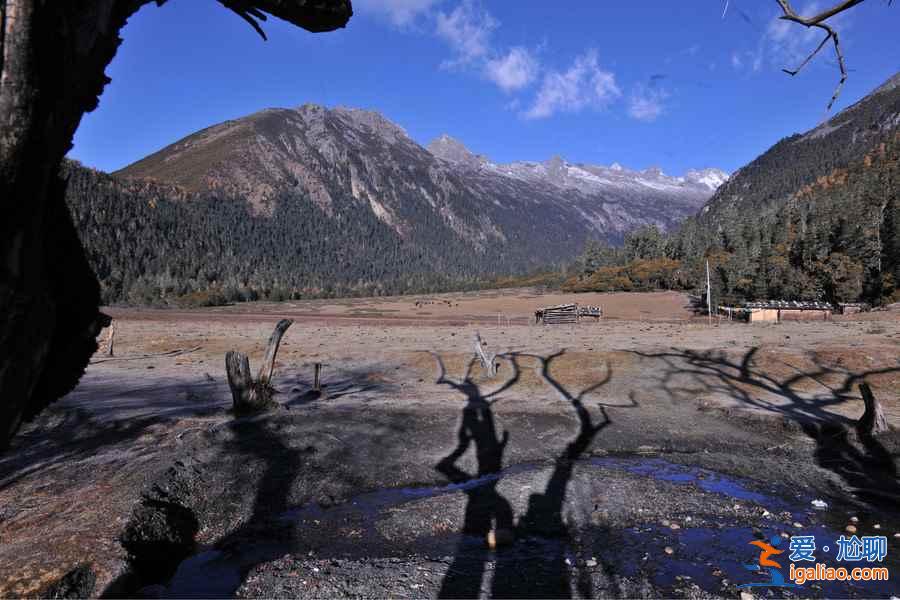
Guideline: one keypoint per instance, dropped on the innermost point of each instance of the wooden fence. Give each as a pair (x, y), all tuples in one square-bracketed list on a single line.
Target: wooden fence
[(566, 313)]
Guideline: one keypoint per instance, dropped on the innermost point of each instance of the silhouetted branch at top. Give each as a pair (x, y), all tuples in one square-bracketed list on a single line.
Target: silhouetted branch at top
[(830, 34), (312, 15), (818, 20)]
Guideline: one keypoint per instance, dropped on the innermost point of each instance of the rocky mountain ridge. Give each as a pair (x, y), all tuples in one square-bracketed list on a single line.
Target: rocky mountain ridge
[(318, 153)]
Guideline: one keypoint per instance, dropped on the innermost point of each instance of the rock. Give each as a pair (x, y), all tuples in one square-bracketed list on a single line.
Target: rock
[(850, 529), (161, 530), (77, 583)]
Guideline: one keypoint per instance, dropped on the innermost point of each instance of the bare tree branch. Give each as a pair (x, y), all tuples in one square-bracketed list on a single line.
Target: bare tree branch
[(810, 57), (313, 15), (791, 15), (247, 12), (819, 21)]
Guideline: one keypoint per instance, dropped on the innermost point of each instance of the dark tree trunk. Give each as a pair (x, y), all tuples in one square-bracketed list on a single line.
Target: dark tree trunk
[(53, 54)]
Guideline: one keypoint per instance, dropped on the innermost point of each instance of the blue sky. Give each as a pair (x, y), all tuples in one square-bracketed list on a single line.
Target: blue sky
[(656, 83)]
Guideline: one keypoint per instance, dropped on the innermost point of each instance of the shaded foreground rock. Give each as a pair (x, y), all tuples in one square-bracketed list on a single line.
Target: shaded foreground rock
[(77, 583), (161, 531)]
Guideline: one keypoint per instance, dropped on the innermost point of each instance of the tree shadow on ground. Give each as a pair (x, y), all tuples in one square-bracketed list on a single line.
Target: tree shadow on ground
[(103, 417), (530, 554), (860, 459)]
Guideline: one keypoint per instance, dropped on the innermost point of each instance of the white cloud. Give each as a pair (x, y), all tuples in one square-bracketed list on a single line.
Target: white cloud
[(646, 103), (515, 70), (736, 60), (467, 29), (401, 13), (582, 85)]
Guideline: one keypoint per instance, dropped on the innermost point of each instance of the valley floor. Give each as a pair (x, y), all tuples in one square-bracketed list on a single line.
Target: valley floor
[(641, 453)]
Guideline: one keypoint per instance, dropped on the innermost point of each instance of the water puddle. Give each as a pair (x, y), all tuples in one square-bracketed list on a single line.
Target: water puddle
[(704, 556), (705, 479)]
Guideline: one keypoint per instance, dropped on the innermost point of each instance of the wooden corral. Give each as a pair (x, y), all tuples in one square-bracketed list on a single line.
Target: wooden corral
[(566, 313), (557, 315)]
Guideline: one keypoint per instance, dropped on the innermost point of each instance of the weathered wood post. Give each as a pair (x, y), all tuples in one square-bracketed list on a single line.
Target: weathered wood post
[(873, 420), (487, 360), (316, 385), (249, 395), (110, 338)]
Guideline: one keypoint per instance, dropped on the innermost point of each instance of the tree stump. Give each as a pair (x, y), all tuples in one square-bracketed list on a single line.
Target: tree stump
[(247, 394), (873, 420)]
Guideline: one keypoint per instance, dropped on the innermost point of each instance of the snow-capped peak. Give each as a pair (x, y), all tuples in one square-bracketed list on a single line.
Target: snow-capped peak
[(711, 178)]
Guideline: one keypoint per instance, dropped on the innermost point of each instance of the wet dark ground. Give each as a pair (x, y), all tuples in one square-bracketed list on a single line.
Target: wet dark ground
[(366, 494), (630, 527)]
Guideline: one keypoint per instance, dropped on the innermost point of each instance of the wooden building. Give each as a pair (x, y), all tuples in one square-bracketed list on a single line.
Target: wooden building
[(776, 311)]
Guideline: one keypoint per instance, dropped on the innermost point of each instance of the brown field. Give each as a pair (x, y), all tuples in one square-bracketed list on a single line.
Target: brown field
[(670, 382), (639, 333)]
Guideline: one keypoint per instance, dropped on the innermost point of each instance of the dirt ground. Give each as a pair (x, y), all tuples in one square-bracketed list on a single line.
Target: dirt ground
[(393, 481)]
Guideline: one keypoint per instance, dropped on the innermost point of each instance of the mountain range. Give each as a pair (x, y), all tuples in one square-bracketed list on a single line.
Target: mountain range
[(318, 153), (318, 201)]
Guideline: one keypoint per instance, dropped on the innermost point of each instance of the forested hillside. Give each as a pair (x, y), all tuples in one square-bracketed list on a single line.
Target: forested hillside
[(814, 218), (155, 244), (288, 203)]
